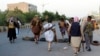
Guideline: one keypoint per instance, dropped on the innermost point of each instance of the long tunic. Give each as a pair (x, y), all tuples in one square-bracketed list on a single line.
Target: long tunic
[(11, 30), (49, 35), (36, 27)]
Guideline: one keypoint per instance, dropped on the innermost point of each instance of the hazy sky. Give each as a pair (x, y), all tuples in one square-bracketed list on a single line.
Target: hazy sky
[(78, 8)]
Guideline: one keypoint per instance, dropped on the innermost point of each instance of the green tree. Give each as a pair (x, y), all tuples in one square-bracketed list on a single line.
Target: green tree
[(17, 13), (2, 18), (57, 16), (27, 17), (30, 15), (63, 16), (50, 14)]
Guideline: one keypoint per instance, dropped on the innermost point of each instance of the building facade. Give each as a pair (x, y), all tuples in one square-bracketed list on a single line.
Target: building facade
[(24, 7)]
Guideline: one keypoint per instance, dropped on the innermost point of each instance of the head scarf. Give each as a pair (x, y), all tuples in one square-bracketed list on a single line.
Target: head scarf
[(76, 19)]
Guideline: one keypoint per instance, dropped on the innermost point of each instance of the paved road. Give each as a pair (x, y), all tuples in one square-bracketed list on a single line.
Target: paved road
[(29, 48)]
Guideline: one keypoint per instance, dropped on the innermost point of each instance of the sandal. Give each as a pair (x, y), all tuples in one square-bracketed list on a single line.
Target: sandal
[(75, 54), (49, 49)]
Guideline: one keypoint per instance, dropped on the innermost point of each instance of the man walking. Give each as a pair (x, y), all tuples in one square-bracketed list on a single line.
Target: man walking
[(88, 33)]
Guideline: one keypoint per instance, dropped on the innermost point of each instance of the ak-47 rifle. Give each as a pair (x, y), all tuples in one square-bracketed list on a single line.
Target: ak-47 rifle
[(81, 45), (82, 42), (48, 29)]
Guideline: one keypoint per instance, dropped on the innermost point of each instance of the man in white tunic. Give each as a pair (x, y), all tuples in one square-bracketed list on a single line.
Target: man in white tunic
[(49, 34)]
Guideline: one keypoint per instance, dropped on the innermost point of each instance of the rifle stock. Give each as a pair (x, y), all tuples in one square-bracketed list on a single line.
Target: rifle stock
[(47, 29)]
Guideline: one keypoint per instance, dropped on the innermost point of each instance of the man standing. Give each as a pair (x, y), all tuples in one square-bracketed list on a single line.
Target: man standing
[(11, 29), (88, 33)]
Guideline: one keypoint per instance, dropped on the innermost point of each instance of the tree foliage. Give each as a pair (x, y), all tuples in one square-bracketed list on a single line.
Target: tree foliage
[(30, 15), (57, 16), (53, 16), (2, 18), (27, 17), (16, 13), (50, 14)]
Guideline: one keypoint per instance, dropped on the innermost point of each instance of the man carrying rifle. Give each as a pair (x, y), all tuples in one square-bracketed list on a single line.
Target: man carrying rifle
[(49, 34)]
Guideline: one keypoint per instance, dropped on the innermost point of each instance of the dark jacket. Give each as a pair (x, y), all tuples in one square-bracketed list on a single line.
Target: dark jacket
[(75, 29)]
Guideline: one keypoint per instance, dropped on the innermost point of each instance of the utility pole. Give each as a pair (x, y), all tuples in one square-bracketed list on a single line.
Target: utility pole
[(43, 5), (99, 11), (99, 14)]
